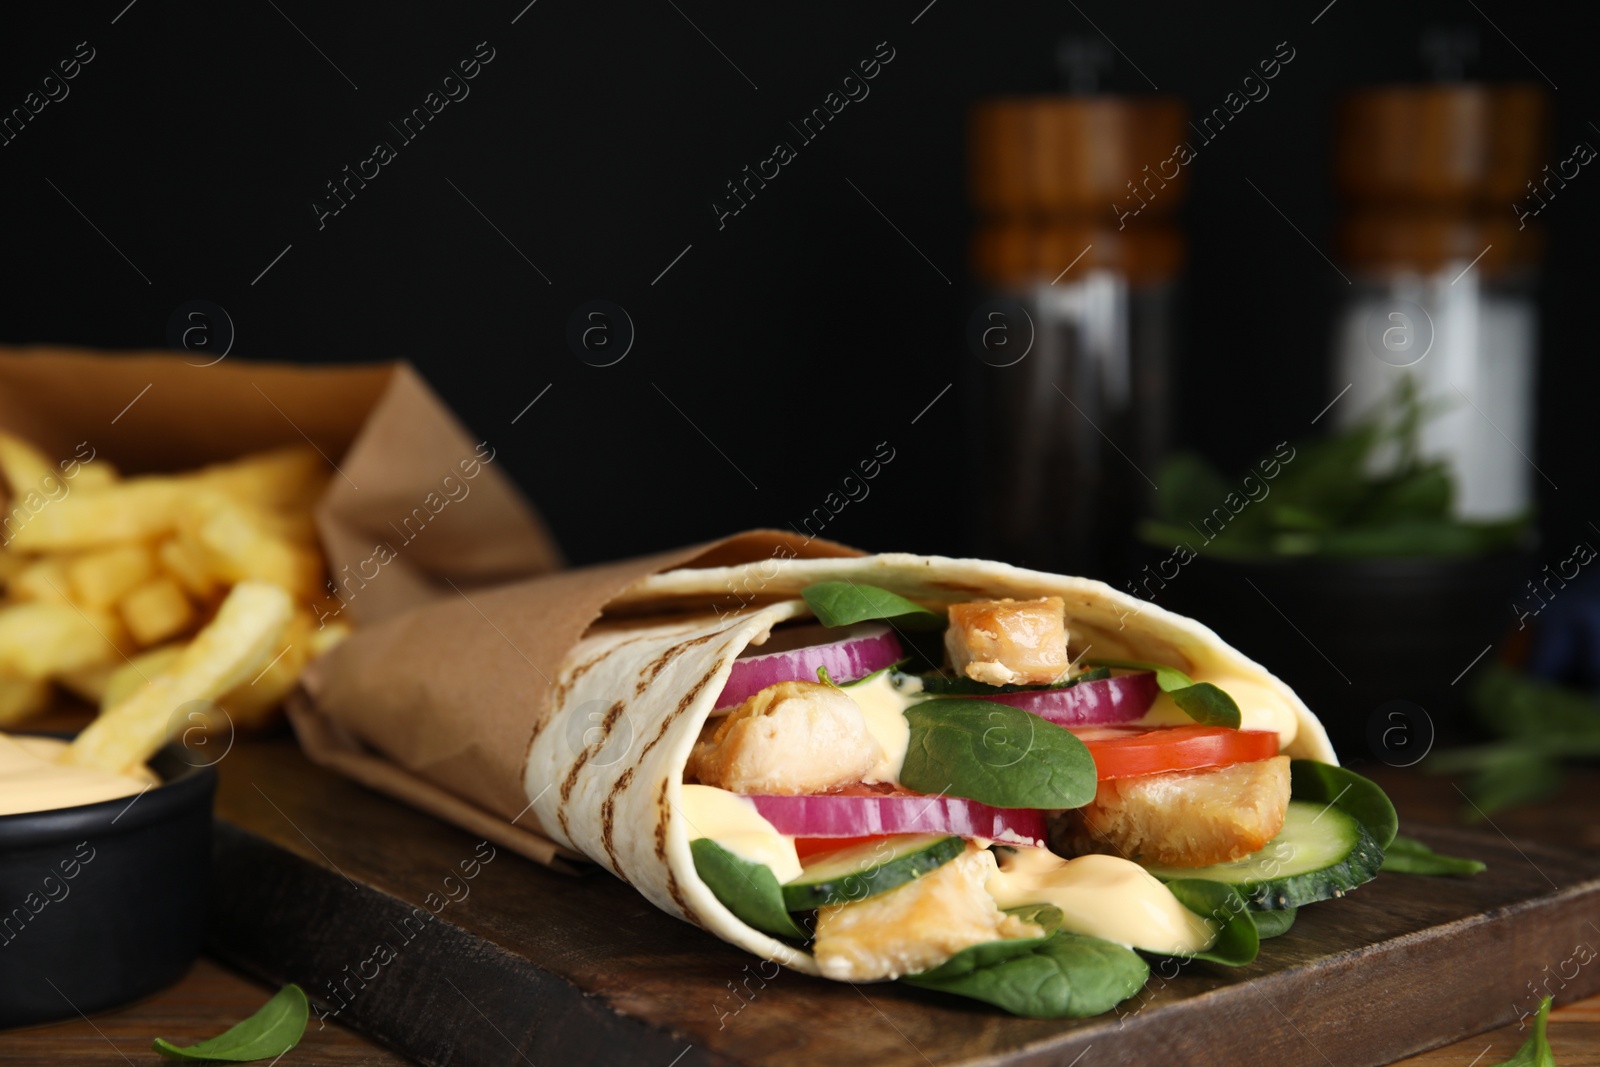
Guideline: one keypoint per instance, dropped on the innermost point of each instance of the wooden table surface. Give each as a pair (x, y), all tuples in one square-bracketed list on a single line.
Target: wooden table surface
[(212, 997)]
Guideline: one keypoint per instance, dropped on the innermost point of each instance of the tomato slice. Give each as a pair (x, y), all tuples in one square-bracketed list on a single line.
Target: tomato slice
[(811, 846), (1131, 751)]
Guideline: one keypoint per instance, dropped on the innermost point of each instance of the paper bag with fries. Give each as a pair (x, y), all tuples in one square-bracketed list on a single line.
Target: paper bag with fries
[(177, 535)]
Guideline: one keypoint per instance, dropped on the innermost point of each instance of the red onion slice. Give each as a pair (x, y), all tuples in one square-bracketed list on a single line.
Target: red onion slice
[(834, 815), (858, 653), (1124, 698)]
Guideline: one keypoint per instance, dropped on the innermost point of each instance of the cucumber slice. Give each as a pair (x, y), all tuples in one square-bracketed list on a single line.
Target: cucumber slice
[(1321, 852), (870, 868)]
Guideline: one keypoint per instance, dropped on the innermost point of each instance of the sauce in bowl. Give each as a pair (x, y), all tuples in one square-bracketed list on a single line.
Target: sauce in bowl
[(32, 778)]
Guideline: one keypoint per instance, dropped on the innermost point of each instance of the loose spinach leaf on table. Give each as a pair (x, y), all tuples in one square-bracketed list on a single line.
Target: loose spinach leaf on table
[(1407, 855), (995, 754), (1340, 787), (749, 890), (1273, 923), (1238, 940), (267, 1034), (1535, 1052), (1201, 701), (1540, 726), (844, 603), (1062, 976)]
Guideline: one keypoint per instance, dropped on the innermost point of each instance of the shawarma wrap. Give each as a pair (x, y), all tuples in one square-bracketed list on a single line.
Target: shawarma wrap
[(636, 717)]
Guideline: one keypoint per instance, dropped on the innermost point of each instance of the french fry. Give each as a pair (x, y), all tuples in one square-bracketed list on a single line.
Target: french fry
[(327, 636), (138, 509), (240, 545), (38, 640), (285, 477), (43, 580), (156, 611), (185, 560), (22, 698), (250, 706), (93, 475), (24, 466), (12, 565), (138, 671), (104, 576), (89, 683), (236, 646)]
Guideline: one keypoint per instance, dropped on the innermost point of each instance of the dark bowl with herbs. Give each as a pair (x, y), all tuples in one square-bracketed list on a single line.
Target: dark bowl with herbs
[(1362, 589)]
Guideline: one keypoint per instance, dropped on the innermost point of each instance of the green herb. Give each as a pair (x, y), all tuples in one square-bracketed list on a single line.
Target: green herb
[(1063, 976), (1540, 726), (1407, 855), (267, 1034), (749, 890), (1201, 701), (1273, 923), (1364, 492), (1237, 940), (1358, 797), (1535, 1052), (844, 603), (995, 754)]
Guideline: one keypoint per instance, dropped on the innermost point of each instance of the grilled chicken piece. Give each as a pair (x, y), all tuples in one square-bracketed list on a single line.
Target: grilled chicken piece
[(915, 926), (1009, 642), (790, 738), (1182, 818)]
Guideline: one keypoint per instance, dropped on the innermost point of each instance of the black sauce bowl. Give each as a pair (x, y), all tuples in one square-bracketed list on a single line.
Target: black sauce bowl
[(1367, 643), (101, 904)]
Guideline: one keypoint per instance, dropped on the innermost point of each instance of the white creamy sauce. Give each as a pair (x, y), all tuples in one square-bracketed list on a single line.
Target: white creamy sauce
[(733, 822), (1260, 708), (32, 778), (883, 704), (1102, 896)]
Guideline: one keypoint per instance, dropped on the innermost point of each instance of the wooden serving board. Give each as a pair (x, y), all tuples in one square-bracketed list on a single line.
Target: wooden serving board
[(316, 878)]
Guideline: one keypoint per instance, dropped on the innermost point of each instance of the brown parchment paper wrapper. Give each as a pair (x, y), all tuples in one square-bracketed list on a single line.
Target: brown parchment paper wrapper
[(438, 707), (388, 438)]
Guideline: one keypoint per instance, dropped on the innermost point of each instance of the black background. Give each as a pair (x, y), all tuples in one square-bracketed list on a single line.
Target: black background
[(796, 338)]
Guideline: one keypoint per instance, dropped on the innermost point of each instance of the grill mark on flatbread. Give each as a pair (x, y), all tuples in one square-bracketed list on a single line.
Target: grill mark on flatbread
[(565, 685), (608, 818), (683, 705), (659, 664), (572, 775), (613, 713), (661, 825), (663, 812)]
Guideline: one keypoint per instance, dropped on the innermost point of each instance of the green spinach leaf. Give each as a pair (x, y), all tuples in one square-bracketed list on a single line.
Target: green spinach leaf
[(267, 1034), (1358, 797), (1237, 940), (1540, 726), (995, 754), (1201, 701), (1063, 976), (1045, 915), (1273, 923), (749, 890), (1535, 1052), (844, 603), (1407, 855)]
